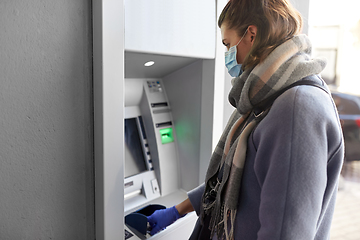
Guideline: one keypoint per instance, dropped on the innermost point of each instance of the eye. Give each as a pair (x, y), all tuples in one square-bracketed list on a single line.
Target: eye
[(227, 45), (223, 42)]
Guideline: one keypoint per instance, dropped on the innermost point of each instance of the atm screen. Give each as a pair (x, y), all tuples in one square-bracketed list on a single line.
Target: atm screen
[(134, 154)]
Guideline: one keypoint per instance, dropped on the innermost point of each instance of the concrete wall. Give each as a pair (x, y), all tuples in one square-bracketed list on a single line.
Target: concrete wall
[(46, 120)]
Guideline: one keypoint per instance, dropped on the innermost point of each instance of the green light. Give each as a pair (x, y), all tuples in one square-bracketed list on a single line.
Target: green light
[(166, 135)]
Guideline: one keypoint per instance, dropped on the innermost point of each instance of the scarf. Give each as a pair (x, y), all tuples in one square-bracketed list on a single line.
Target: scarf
[(286, 64)]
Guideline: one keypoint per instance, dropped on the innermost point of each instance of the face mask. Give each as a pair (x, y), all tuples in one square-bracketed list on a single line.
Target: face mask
[(231, 64)]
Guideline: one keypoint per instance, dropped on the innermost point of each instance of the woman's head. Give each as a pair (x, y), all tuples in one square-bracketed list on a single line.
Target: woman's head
[(272, 21)]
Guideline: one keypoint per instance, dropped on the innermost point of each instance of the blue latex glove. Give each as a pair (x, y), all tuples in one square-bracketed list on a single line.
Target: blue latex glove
[(162, 218)]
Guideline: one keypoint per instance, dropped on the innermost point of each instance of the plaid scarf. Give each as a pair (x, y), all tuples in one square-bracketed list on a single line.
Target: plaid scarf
[(288, 63)]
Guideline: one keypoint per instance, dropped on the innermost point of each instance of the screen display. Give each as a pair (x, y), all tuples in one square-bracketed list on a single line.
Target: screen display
[(134, 155)]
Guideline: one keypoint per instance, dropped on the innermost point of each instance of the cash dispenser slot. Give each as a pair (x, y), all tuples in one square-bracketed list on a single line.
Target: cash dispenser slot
[(137, 221), (163, 124)]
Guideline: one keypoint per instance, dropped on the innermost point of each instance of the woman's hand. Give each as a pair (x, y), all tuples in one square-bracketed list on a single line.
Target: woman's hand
[(162, 218)]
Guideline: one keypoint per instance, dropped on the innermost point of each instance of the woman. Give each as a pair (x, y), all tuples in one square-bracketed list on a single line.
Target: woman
[(274, 172)]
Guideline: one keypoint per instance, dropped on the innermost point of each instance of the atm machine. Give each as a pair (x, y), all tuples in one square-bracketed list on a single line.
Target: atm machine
[(151, 160), (168, 112), (168, 119)]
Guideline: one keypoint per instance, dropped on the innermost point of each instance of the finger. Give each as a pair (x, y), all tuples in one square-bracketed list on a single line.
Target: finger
[(155, 230), (151, 220)]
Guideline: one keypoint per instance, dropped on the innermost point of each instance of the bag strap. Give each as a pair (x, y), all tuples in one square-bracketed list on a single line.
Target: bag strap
[(267, 103)]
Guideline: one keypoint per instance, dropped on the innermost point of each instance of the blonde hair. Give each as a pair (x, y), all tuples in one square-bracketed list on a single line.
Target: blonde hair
[(276, 22)]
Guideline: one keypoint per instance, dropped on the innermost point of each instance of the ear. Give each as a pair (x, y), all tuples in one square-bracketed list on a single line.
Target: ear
[(252, 30)]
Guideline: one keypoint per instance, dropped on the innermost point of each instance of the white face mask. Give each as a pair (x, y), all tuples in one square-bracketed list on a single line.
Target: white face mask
[(231, 64)]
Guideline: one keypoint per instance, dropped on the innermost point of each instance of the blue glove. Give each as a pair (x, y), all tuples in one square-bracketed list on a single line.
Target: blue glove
[(162, 218)]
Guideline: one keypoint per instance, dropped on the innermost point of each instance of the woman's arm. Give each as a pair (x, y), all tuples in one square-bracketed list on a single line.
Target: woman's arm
[(184, 207)]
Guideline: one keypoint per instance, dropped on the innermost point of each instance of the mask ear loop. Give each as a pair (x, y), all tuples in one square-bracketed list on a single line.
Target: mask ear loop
[(242, 36)]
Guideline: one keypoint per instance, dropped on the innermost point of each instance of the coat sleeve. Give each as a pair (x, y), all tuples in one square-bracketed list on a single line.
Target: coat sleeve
[(195, 196), (294, 144)]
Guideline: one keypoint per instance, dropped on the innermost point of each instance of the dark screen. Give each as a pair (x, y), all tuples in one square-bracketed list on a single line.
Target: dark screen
[(134, 156)]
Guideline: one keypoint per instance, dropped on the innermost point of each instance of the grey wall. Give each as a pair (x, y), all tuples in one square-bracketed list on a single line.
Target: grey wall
[(190, 91), (46, 146), (183, 88)]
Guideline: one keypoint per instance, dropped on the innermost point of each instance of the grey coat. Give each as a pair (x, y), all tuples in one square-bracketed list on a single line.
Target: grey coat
[(293, 162)]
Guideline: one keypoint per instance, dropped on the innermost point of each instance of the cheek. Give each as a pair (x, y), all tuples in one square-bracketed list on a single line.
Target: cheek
[(241, 54), (239, 57)]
